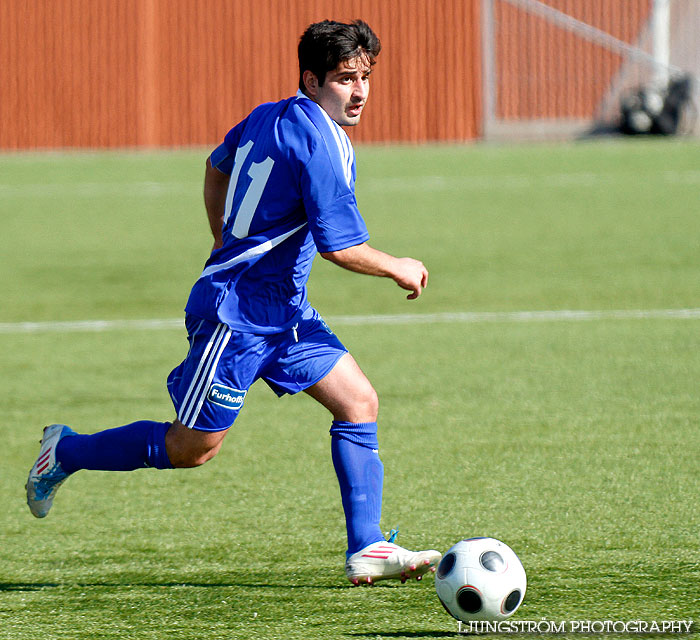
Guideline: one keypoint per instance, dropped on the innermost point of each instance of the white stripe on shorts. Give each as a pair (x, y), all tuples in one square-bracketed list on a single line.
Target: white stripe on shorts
[(199, 387)]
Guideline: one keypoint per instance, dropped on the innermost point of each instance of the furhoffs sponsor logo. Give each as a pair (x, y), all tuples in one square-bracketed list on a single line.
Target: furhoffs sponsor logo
[(226, 396)]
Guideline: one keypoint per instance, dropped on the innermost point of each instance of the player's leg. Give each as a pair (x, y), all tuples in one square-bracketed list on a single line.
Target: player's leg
[(146, 443), (63, 452), (310, 358), (349, 396), (206, 398), (161, 445)]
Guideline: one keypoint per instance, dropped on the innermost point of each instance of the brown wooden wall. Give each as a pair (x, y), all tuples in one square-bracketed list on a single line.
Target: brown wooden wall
[(124, 73), (163, 73)]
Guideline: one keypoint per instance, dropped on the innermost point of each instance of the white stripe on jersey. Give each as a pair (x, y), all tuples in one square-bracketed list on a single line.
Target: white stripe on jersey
[(342, 141), (253, 252), (344, 145)]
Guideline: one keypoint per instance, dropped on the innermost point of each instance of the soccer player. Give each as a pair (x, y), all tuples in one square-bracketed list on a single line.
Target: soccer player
[(278, 190)]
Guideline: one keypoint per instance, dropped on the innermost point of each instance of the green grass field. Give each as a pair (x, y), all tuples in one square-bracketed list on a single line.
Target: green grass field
[(572, 438)]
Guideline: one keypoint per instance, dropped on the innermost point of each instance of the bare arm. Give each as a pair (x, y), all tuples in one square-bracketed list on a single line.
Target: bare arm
[(215, 188), (408, 273)]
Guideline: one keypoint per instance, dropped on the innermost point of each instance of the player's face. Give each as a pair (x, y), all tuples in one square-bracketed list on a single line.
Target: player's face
[(344, 92)]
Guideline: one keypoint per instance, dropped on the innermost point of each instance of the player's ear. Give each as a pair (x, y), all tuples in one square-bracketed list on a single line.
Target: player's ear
[(310, 83)]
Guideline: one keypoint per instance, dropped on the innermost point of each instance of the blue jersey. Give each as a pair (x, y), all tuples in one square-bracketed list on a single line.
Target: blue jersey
[(291, 194)]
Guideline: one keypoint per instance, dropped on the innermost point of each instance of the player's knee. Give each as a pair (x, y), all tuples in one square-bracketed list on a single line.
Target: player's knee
[(193, 457), (372, 404), (191, 461), (365, 407), (190, 448)]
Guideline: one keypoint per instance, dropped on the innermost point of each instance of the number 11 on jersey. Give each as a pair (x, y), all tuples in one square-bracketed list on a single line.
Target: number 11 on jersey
[(259, 173)]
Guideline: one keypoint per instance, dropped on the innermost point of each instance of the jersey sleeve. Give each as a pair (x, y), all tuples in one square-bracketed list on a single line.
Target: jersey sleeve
[(221, 159), (328, 191), (223, 156)]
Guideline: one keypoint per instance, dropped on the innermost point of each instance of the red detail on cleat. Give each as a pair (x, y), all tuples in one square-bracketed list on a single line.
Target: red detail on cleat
[(369, 580), (432, 569), (382, 552), (44, 457), (412, 567), (426, 561), (43, 468), (355, 581)]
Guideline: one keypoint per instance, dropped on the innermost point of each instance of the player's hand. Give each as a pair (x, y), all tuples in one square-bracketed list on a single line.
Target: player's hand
[(411, 275)]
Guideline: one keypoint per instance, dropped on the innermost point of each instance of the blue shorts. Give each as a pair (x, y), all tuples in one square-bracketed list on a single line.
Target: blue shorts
[(209, 387)]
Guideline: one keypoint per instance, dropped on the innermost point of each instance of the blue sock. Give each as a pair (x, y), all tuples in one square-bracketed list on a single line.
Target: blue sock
[(360, 475), (134, 446)]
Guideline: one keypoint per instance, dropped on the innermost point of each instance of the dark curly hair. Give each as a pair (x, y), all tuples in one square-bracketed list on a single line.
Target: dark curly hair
[(324, 45)]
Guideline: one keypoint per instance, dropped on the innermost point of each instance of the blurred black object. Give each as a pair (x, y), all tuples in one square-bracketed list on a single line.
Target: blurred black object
[(648, 110)]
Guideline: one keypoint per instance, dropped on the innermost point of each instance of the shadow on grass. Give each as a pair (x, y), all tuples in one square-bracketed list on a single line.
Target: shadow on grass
[(27, 586), (38, 586), (409, 634)]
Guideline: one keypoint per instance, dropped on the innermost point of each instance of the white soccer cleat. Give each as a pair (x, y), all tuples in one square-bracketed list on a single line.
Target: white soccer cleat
[(388, 561), (46, 476)]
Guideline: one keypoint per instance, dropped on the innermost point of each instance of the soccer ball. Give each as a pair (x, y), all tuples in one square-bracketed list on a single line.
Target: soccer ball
[(641, 111), (480, 579)]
